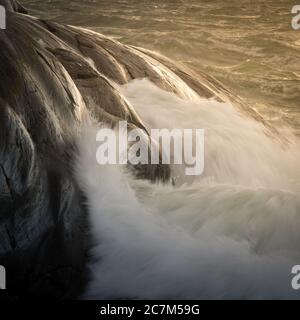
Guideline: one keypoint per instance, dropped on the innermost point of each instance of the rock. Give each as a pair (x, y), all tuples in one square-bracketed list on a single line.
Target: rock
[(13, 5), (49, 74)]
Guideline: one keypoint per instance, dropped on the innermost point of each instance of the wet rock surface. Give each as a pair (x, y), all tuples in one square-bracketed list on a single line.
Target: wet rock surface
[(49, 74)]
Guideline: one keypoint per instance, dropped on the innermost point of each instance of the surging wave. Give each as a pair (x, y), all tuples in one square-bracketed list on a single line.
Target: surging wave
[(231, 233)]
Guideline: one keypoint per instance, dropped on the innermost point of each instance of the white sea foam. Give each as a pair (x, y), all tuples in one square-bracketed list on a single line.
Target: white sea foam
[(231, 233)]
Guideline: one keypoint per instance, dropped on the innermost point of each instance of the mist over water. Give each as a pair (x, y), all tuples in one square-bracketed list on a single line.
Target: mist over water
[(231, 233)]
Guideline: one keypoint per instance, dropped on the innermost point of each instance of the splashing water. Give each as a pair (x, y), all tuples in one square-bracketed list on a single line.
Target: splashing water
[(231, 233)]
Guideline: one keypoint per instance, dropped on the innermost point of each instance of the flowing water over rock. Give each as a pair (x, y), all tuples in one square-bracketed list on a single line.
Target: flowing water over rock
[(233, 232), (249, 46)]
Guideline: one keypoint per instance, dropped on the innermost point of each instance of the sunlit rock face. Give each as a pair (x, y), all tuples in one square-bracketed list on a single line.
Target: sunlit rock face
[(50, 74)]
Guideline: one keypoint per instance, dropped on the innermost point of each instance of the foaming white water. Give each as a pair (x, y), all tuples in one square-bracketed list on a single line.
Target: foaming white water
[(238, 152), (232, 233)]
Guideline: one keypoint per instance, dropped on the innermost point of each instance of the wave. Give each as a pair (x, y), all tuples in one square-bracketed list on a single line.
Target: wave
[(231, 233)]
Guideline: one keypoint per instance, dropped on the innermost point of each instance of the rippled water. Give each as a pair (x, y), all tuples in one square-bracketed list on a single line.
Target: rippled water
[(248, 45)]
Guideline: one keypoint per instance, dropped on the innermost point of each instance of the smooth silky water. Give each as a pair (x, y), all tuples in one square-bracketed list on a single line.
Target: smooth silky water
[(234, 231)]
